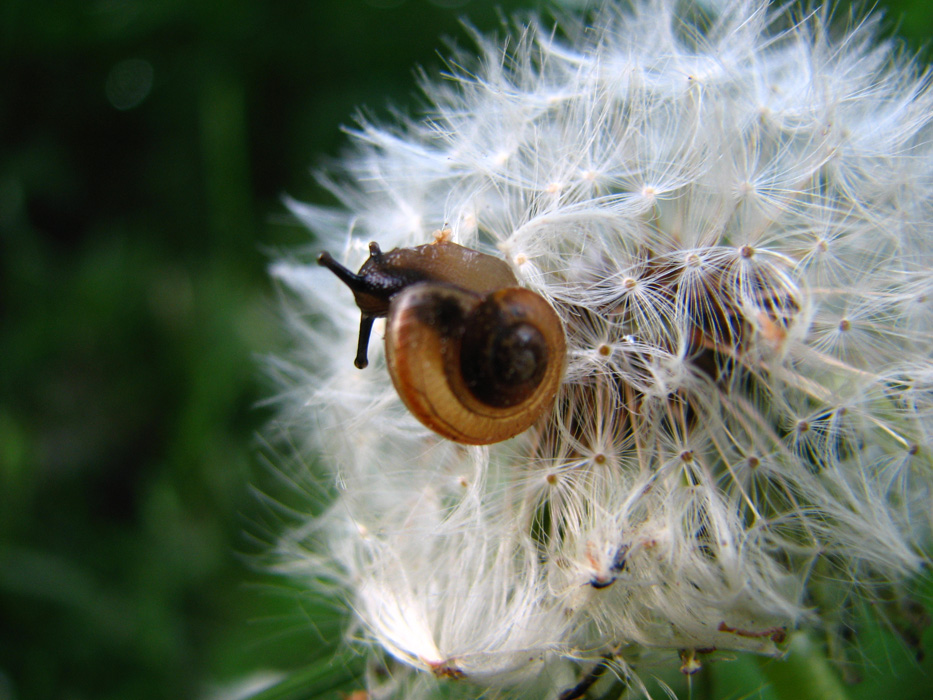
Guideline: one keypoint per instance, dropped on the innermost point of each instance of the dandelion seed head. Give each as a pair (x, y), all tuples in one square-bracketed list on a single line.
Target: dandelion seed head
[(729, 209)]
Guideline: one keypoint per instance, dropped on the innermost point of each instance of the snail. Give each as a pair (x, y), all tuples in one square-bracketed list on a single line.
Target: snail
[(473, 356)]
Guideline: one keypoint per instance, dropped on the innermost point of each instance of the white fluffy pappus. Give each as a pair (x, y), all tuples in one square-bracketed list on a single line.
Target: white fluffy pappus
[(731, 209)]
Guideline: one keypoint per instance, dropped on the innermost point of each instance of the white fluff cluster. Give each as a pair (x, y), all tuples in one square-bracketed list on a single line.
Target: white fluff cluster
[(732, 211)]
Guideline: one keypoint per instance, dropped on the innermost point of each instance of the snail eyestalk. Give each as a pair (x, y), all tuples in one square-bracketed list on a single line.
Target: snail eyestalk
[(362, 345), (348, 277), (371, 290)]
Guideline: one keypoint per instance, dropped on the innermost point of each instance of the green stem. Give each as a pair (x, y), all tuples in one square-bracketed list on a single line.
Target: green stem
[(804, 674)]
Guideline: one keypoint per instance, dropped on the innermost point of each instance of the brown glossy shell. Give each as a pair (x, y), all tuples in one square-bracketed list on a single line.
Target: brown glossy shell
[(448, 262), (426, 325)]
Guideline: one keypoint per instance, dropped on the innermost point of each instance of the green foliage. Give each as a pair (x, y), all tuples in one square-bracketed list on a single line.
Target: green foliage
[(144, 146)]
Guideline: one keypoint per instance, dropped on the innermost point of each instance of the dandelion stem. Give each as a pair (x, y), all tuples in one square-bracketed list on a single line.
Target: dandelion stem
[(579, 690)]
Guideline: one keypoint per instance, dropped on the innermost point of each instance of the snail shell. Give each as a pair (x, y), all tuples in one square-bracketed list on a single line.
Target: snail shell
[(473, 356)]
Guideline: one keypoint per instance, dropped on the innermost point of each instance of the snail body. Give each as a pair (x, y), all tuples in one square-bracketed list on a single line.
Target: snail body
[(473, 356)]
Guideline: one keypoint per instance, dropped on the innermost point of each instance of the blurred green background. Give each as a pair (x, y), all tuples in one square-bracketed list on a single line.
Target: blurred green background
[(144, 149)]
